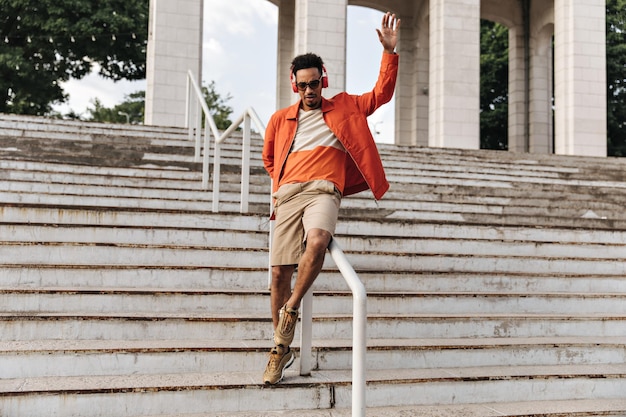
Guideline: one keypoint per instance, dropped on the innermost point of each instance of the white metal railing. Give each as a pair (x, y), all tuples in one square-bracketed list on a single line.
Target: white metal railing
[(359, 324), (359, 332), (196, 109)]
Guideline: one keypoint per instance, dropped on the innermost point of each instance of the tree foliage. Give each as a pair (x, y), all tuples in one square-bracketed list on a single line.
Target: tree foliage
[(46, 42), (494, 76), (217, 106), (131, 110), (616, 76)]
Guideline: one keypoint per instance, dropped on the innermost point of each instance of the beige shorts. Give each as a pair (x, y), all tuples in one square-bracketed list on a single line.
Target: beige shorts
[(298, 209)]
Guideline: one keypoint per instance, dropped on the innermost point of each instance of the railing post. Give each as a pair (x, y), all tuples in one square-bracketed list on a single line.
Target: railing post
[(270, 237), (359, 328), (306, 334), (190, 116), (205, 157), (198, 120), (245, 164), (216, 177)]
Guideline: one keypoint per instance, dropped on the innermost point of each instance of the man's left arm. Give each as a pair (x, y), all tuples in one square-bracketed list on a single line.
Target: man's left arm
[(388, 32), (386, 83)]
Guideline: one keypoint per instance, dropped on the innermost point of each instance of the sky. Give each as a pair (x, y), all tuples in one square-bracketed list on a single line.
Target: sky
[(239, 54)]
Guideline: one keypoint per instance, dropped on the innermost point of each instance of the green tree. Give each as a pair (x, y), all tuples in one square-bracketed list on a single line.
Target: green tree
[(134, 105), (616, 76), (217, 106), (131, 110), (46, 42), (494, 75)]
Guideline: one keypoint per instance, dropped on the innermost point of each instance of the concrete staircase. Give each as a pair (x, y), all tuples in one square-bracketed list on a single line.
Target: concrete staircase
[(496, 283)]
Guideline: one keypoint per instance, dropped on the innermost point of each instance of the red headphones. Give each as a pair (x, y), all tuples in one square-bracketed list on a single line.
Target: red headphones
[(294, 87)]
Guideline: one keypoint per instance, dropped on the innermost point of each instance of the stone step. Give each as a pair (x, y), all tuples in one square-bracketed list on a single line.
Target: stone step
[(397, 164), (401, 176), (22, 126), (581, 214), (222, 392), (119, 325), (182, 185), (114, 203), (56, 358), (356, 227), (585, 213), (81, 255), (260, 194), (465, 213), (94, 300), (407, 174), (394, 205), (129, 235), (25, 125), (45, 171), (255, 279), (570, 408), (608, 168), (420, 185), (128, 177), (463, 244)]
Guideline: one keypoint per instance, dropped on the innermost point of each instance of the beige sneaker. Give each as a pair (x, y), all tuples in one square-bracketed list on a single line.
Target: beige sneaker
[(287, 319), (280, 359)]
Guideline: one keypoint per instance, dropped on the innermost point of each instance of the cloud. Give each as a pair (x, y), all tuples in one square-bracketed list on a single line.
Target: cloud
[(238, 17), (240, 39)]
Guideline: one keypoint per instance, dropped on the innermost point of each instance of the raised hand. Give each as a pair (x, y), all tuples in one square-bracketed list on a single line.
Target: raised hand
[(388, 32)]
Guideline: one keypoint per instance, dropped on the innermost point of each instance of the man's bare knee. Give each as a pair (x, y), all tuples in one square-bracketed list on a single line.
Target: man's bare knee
[(318, 240)]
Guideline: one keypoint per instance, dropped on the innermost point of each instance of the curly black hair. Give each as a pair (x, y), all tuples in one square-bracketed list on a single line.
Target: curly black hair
[(309, 60)]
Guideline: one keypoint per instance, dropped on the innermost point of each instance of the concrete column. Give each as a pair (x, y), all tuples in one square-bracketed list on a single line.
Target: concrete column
[(174, 47), (286, 27), (518, 124), (541, 92), (422, 68), (454, 74), (412, 86), (406, 87), (320, 27), (580, 77)]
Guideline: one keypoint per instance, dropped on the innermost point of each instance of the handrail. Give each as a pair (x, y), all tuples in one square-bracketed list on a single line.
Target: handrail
[(359, 329), (200, 108), (359, 348)]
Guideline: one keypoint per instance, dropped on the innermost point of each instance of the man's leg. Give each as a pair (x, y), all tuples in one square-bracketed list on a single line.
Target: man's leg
[(280, 289), (310, 265), (280, 357)]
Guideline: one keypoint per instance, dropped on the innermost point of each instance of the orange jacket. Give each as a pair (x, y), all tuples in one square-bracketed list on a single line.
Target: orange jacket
[(346, 116)]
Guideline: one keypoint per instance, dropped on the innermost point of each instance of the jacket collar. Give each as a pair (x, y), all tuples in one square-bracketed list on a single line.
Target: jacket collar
[(292, 111)]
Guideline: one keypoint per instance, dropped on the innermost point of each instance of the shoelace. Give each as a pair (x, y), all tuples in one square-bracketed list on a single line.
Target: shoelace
[(288, 320), (275, 358)]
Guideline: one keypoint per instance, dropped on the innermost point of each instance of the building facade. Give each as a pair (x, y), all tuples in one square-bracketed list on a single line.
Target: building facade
[(557, 66)]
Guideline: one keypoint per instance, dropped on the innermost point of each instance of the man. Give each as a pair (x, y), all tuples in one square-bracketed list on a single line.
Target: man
[(317, 151)]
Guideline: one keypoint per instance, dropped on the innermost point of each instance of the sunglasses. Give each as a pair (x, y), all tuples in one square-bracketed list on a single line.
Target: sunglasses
[(313, 84)]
